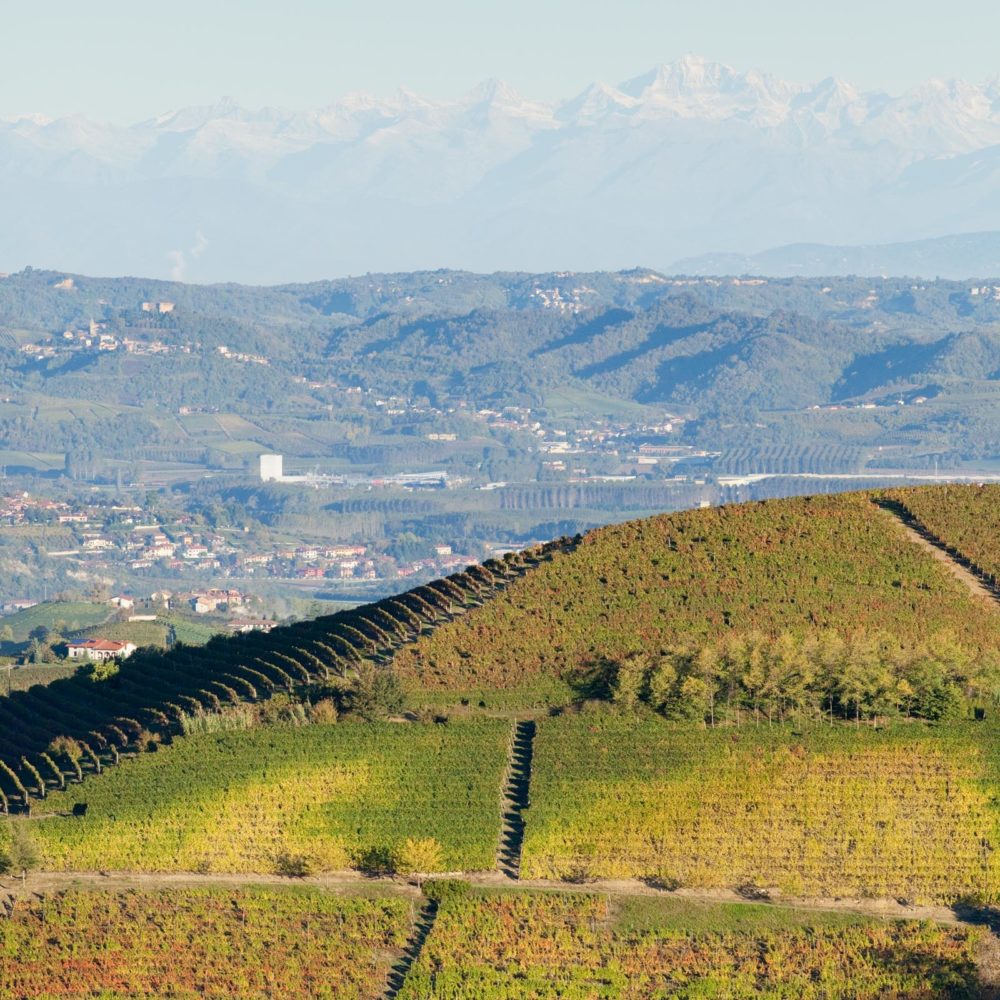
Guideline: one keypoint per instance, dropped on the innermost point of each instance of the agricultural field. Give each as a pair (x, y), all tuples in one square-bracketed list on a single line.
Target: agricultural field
[(39, 461), (536, 946), (543, 692), (326, 793), (153, 634), (192, 631), (106, 712), (253, 942), (904, 812), (22, 678), (69, 616), (967, 518), (786, 566)]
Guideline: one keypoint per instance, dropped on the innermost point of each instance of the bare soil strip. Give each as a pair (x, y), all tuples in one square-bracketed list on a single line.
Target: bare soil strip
[(40, 883), (919, 535)]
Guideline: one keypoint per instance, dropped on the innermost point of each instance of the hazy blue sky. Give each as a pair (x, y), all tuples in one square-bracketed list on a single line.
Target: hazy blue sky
[(128, 59)]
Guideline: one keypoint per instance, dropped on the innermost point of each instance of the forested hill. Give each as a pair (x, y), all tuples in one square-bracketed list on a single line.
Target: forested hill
[(747, 358)]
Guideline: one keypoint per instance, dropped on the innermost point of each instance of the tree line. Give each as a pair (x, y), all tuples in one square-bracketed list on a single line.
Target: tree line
[(862, 676)]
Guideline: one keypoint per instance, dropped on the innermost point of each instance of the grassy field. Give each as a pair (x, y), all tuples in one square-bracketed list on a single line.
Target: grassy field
[(543, 691), (22, 678), (238, 801), (189, 630), (73, 615), (791, 566), (535, 946), (140, 633), (273, 942), (41, 461), (905, 812), (192, 631)]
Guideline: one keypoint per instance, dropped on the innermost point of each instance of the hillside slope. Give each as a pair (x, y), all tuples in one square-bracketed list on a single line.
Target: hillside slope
[(792, 566), (814, 605)]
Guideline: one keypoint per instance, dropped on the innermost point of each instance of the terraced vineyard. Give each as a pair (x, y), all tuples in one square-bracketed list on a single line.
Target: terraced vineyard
[(966, 518), (783, 566), (289, 943), (151, 692), (538, 946), (335, 796), (908, 812)]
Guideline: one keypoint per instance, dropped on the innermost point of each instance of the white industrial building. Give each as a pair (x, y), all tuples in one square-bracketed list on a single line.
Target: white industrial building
[(271, 468)]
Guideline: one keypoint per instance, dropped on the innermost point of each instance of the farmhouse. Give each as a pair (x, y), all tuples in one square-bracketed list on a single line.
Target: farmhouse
[(240, 626), (100, 650)]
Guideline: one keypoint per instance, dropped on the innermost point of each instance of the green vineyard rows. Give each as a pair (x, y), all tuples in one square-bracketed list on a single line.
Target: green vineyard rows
[(83, 723), (330, 794), (908, 812)]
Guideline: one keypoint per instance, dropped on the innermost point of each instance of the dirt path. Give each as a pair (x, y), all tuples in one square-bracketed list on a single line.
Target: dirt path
[(919, 535), (40, 883)]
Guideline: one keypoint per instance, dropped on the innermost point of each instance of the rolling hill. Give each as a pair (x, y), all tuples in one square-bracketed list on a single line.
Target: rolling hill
[(896, 369), (705, 753), (959, 256)]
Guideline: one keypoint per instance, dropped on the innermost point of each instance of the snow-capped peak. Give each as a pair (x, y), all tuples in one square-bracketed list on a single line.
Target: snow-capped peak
[(595, 102), (27, 118), (694, 87)]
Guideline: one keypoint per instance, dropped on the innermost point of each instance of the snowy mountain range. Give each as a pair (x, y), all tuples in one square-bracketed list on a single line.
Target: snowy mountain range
[(687, 159)]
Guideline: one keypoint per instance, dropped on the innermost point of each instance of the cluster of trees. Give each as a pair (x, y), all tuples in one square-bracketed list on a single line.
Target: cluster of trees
[(866, 675)]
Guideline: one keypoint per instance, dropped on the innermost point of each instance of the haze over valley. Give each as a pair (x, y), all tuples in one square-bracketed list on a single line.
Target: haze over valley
[(689, 158)]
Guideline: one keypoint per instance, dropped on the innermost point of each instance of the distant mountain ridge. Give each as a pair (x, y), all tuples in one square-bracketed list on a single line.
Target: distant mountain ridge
[(677, 162), (956, 257)]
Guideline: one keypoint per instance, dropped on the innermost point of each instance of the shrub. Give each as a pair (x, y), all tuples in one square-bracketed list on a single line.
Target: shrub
[(291, 865), (376, 861), (323, 712), (445, 890), (418, 857)]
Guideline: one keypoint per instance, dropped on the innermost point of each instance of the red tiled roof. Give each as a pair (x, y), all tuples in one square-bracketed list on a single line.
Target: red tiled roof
[(104, 645)]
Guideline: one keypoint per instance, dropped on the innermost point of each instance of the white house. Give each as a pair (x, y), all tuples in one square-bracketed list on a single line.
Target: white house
[(100, 649)]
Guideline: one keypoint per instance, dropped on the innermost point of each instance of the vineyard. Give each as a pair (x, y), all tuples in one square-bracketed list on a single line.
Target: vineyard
[(792, 566), (529, 946), (907, 812), (546, 622), (187, 943), (334, 796), (785, 699), (965, 518), (82, 724)]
